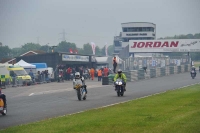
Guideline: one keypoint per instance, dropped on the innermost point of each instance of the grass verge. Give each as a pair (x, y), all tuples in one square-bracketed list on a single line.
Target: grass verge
[(174, 111), (197, 64)]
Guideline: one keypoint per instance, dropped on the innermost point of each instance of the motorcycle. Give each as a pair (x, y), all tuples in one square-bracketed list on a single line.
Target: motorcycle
[(193, 74), (80, 89), (119, 87), (60, 78), (3, 111), (71, 76), (86, 76)]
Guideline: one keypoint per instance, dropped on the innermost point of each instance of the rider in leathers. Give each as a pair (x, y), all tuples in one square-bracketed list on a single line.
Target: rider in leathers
[(3, 96), (122, 76), (77, 78), (193, 69)]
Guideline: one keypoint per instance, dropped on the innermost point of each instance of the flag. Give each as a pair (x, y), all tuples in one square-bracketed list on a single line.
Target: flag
[(70, 50), (93, 47), (106, 49)]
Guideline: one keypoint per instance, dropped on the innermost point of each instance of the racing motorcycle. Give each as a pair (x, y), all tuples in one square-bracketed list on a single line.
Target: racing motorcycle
[(119, 87), (80, 90), (193, 74), (3, 111), (86, 76)]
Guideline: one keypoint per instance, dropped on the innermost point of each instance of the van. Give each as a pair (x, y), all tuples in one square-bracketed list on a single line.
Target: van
[(9, 71)]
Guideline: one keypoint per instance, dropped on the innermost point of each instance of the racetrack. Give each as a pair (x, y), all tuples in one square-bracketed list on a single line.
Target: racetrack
[(33, 103)]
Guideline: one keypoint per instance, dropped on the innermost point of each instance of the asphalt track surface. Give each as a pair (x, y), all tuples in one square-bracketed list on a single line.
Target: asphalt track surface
[(33, 103)]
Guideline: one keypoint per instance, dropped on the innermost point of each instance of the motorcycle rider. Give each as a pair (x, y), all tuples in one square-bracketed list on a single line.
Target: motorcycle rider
[(3, 96), (78, 77), (193, 69), (122, 76)]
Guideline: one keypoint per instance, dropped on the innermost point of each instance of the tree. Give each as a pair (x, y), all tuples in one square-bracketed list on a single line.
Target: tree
[(110, 50), (97, 51), (87, 49), (5, 52), (29, 47), (45, 48), (65, 46)]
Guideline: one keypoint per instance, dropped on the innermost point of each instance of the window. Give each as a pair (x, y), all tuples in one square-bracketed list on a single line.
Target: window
[(124, 29)]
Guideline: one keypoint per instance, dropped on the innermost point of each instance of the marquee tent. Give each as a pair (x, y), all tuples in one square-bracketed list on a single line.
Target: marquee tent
[(24, 64)]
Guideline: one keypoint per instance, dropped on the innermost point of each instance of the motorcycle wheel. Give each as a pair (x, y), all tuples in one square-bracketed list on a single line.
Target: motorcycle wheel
[(118, 91), (4, 112), (122, 91), (79, 95)]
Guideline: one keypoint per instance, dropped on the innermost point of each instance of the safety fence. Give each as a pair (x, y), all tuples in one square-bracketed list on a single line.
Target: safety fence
[(135, 75), (18, 81)]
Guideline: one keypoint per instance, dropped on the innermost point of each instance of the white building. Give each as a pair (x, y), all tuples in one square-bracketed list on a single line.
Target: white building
[(137, 31)]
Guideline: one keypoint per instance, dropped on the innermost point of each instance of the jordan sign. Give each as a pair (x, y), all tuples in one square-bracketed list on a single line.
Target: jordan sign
[(181, 45)]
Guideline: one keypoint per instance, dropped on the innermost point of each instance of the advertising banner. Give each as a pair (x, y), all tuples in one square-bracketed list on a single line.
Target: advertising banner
[(180, 45), (66, 57)]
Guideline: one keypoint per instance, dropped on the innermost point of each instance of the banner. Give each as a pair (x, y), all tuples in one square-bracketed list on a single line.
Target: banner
[(180, 45), (93, 47), (66, 57)]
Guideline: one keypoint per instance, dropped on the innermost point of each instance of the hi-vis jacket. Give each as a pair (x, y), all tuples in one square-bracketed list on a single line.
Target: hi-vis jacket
[(123, 77)]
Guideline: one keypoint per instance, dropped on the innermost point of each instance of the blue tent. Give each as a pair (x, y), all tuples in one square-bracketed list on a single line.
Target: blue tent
[(40, 65)]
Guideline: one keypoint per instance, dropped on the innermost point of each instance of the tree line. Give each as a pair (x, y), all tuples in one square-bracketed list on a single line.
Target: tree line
[(194, 56), (6, 52)]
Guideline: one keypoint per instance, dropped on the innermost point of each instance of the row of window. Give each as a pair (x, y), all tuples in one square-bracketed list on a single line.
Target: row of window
[(139, 34), (138, 38), (117, 43), (138, 29)]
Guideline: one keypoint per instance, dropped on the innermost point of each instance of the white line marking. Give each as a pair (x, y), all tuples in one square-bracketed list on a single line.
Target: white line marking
[(31, 94)]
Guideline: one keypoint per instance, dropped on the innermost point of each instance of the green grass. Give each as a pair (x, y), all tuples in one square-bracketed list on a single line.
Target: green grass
[(176, 111), (197, 64)]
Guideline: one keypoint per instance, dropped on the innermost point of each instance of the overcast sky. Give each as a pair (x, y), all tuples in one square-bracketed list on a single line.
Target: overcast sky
[(23, 21)]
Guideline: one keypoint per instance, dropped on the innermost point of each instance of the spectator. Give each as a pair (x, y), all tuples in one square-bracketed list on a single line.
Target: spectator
[(114, 64), (99, 75)]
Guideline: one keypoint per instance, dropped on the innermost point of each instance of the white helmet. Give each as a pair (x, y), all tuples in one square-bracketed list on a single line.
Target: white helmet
[(77, 75)]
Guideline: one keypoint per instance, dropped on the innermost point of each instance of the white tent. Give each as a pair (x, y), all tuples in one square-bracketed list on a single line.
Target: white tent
[(24, 64)]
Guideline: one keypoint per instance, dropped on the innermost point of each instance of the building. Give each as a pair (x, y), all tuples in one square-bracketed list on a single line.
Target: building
[(133, 31), (137, 31), (117, 44)]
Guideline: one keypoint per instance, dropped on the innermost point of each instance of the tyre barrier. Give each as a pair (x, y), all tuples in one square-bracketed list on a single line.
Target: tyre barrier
[(171, 70), (105, 81), (141, 74), (162, 71), (178, 69), (152, 73), (134, 75), (157, 72)]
